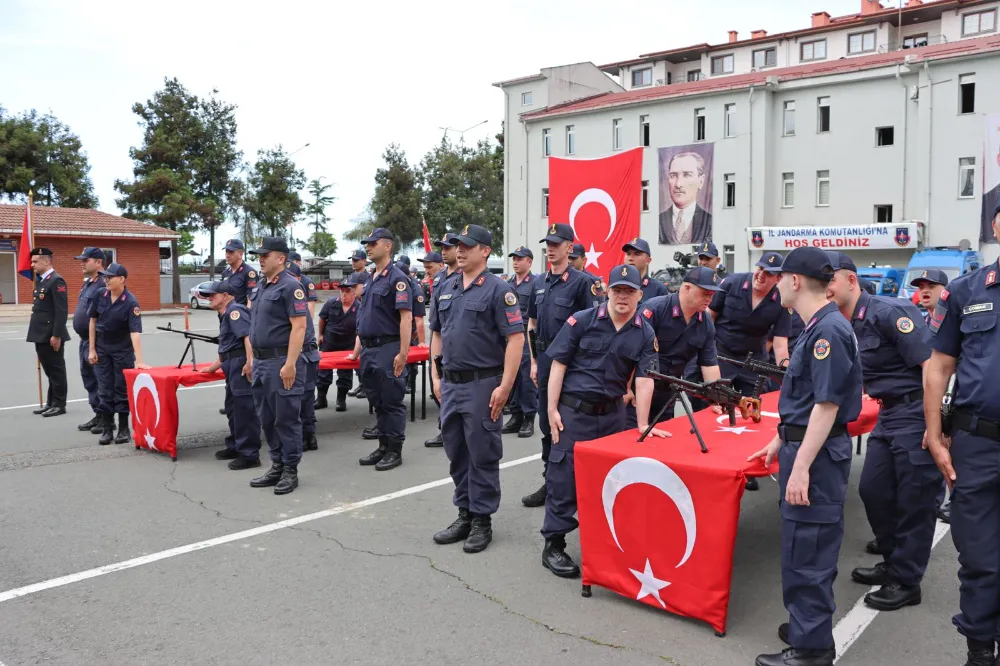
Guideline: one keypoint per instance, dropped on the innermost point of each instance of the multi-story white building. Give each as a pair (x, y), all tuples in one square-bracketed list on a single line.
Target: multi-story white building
[(877, 117)]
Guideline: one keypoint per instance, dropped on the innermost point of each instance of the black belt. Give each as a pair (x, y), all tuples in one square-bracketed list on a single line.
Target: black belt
[(796, 433), (913, 396), (466, 376), (235, 353), (588, 407), (379, 341), (965, 420), (270, 352)]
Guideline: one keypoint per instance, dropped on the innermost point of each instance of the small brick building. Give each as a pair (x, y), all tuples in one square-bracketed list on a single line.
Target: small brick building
[(66, 231)]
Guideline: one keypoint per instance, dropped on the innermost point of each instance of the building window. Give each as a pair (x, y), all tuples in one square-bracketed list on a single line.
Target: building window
[(978, 23), (812, 50), (765, 58), (546, 142), (823, 115), (526, 98), (723, 64), (966, 177), (699, 124), (694, 75), (885, 136), (822, 188), (110, 256), (645, 196), (883, 214), (915, 41), (730, 183), (787, 190), (642, 77), (861, 42), (730, 120), (788, 119), (967, 93), (571, 139), (545, 202), (644, 131), (729, 256), (616, 134), (670, 78)]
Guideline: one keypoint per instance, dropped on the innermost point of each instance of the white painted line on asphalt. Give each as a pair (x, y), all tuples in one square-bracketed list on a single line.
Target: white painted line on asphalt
[(236, 536), (852, 625), (215, 384)]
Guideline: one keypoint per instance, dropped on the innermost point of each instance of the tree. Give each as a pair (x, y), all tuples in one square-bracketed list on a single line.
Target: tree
[(43, 154), (275, 183), (362, 225), (321, 201), (396, 202), (185, 244), (321, 244)]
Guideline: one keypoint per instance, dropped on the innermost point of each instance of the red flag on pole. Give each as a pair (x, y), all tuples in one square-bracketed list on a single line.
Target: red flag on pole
[(27, 242), (427, 239)]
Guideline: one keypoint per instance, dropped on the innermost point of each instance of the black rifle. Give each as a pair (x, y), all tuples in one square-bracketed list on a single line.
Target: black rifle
[(719, 392), (763, 370), (191, 337)]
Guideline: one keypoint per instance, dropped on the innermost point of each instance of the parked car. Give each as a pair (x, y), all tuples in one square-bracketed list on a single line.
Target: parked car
[(196, 299)]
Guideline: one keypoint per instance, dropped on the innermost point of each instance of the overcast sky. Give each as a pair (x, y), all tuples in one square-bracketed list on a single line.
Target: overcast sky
[(347, 78)]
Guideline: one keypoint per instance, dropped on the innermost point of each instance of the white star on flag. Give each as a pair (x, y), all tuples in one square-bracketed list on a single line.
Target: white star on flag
[(651, 585), (150, 441), (592, 257), (738, 430)]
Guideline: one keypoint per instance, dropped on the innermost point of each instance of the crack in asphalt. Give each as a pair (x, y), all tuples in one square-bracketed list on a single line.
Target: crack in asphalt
[(181, 493)]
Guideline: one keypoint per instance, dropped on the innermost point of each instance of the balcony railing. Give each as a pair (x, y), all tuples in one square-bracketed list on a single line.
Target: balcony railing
[(913, 43)]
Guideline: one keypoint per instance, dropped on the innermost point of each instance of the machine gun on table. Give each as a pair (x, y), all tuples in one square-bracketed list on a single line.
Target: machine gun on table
[(191, 337), (763, 370), (719, 392)]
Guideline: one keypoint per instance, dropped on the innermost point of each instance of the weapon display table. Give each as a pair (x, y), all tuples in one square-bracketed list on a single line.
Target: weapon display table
[(152, 396), (658, 518)]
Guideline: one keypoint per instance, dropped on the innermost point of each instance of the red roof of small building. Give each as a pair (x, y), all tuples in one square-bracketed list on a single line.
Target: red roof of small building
[(54, 221), (732, 82)]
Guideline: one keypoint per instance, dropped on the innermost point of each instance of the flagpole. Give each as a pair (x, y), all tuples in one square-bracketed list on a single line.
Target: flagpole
[(31, 244)]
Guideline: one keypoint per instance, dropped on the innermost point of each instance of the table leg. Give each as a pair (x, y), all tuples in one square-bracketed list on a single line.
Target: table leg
[(859, 445), (413, 400), (423, 390), (585, 592)]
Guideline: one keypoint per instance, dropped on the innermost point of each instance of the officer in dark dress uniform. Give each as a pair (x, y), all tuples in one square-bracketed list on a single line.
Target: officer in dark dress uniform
[(592, 359), (964, 343), (115, 326), (338, 326), (92, 259), (637, 254), (236, 361), (47, 329), (899, 482), (559, 293), (524, 398), (478, 336), (242, 277), (310, 352), (449, 255), (277, 334), (384, 328), (820, 395)]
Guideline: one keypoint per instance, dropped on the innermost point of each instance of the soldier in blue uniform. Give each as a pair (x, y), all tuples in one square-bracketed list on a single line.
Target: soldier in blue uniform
[(964, 343), (524, 397), (384, 329), (277, 334), (92, 259), (338, 326), (310, 352), (115, 325), (899, 482), (637, 254), (559, 293), (578, 260), (477, 335), (418, 331), (449, 256), (684, 333), (236, 361), (708, 256), (359, 263), (820, 395), (592, 359), (242, 277)]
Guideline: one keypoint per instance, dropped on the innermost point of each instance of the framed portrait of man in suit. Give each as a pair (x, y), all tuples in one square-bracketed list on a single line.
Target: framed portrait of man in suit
[(686, 194)]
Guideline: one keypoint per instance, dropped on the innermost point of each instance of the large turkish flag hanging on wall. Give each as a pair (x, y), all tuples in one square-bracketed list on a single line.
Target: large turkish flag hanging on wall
[(600, 199)]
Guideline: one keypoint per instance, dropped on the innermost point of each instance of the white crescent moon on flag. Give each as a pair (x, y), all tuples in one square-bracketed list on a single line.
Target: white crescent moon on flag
[(598, 196), (652, 473), (145, 381)]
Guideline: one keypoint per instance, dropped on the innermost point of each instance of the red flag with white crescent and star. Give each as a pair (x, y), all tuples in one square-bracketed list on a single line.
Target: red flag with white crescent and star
[(600, 200)]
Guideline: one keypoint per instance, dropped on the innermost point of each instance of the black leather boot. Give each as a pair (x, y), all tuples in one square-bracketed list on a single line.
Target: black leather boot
[(226, 453), (513, 424), (944, 513), (353, 393), (124, 434), (92, 423), (527, 428), (555, 559), (798, 657), (434, 442), (893, 596), (393, 455), (481, 534), (270, 477), (980, 653), (535, 499), (783, 632), (107, 429), (457, 531), (341, 400), (876, 575), (371, 432), (375, 456), (752, 484), (241, 463), (872, 548), (321, 402), (309, 442), (289, 480), (41, 410)]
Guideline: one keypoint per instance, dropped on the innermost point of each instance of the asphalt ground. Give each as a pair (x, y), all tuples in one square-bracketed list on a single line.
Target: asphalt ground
[(343, 570)]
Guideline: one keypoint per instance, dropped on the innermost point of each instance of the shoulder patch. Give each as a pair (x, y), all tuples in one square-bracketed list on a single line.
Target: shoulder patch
[(510, 299), (571, 321), (251, 274), (61, 288), (821, 349), (400, 286), (420, 299), (312, 286), (299, 294), (944, 295), (234, 315), (135, 311), (647, 313), (904, 325)]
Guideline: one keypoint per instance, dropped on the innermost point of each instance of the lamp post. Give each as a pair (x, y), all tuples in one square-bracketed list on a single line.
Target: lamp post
[(461, 133)]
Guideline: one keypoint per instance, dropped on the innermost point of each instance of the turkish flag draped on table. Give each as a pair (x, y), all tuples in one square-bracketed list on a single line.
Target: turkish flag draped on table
[(599, 199), (658, 518)]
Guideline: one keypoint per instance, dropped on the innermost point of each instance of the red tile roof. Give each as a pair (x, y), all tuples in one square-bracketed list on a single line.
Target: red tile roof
[(77, 222), (722, 83)]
